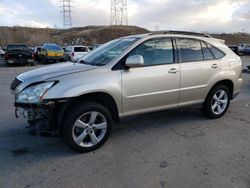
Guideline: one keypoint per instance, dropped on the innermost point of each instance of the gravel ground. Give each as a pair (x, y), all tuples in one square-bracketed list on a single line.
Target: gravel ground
[(165, 149)]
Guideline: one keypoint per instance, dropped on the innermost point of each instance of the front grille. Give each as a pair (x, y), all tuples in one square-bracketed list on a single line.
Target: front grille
[(15, 83)]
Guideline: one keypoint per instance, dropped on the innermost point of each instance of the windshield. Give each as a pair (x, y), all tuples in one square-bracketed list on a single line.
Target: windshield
[(107, 52)]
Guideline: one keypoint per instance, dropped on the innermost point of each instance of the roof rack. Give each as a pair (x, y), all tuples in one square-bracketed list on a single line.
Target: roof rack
[(181, 33)]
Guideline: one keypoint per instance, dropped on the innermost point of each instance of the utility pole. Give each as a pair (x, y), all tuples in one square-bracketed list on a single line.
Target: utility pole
[(66, 6), (119, 12), (157, 27)]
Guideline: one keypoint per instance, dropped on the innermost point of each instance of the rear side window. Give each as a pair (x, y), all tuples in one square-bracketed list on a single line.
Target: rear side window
[(217, 53), (155, 51), (190, 50), (80, 49), (206, 52)]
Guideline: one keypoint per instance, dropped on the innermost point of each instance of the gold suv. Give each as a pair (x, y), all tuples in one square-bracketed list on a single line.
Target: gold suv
[(128, 76)]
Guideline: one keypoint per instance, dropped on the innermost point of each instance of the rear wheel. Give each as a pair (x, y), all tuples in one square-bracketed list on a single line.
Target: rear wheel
[(217, 102), (87, 127)]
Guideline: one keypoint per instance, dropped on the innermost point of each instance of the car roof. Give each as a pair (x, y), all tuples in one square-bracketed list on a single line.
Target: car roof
[(50, 44), (172, 33), (182, 34), (78, 46)]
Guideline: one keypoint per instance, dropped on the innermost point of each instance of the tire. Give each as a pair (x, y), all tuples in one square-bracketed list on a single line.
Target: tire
[(86, 127), (216, 102), (42, 59)]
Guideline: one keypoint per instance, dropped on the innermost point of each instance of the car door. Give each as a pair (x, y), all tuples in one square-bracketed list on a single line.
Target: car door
[(198, 67), (154, 86)]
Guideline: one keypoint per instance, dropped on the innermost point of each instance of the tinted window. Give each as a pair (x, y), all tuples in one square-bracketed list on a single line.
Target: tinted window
[(217, 53), (190, 50), (17, 47), (81, 49), (155, 51), (53, 48), (206, 52)]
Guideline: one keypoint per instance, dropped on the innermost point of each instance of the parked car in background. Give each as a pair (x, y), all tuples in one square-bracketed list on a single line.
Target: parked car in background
[(36, 52), (66, 54), (18, 54), (51, 53), (96, 46), (2, 53), (129, 76), (75, 52), (244, 49), (90, 48), (234, 48)]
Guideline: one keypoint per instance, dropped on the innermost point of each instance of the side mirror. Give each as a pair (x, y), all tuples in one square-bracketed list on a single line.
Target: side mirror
[(135, 61)]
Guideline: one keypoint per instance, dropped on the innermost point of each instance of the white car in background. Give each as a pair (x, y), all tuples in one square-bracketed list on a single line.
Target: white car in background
[(2, 53), (244, 49), (75, 52)]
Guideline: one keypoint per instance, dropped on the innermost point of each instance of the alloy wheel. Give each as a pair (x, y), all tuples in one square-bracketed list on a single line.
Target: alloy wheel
[(89, 129), (219, 102)]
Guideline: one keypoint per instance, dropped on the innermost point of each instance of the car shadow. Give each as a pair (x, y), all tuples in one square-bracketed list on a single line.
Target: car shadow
[(22, 143)]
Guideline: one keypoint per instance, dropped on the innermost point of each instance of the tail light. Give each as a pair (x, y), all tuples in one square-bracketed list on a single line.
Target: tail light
[(33, 55), (73, 54), (6, 56)]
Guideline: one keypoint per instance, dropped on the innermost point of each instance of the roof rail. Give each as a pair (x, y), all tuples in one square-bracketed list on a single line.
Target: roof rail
[(181, 33)]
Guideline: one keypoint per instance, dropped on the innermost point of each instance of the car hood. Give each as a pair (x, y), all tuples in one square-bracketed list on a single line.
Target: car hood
[(55, 70)]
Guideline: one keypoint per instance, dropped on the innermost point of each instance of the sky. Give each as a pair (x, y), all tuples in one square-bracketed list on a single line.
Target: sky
[(194, 15)]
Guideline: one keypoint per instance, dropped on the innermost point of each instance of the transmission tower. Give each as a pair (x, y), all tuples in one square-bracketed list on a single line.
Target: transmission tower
[(66, 6), (119, 13)]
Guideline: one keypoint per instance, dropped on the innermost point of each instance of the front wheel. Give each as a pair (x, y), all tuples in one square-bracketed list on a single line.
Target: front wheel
[(217, 102), (87, 127)]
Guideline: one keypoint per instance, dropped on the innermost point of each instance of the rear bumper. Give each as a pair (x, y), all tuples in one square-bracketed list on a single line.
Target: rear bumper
[(54, 58), (237, 86), (19, 61)]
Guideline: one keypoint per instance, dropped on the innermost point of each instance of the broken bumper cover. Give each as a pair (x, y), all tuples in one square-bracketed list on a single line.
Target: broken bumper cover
[(30, 111), (51, 111)]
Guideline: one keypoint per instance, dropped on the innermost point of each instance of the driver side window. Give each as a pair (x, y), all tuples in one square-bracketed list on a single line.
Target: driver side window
[(155, 51)]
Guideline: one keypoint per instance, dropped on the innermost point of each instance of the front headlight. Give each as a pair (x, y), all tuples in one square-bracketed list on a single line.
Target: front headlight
[(34, 94)]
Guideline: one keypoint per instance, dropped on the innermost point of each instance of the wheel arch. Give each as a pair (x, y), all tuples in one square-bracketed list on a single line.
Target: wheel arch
[(228, 83), (102, 98)]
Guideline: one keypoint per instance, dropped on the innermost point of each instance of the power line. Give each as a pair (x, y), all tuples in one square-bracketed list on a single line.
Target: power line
[(119, 12), (66, 6)]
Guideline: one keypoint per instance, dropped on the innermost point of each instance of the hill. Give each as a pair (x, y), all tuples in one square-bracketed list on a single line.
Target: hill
[(88, 35), (235, 38)]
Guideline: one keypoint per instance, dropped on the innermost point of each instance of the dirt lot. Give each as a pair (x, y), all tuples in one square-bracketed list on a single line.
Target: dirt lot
[(165, 149)]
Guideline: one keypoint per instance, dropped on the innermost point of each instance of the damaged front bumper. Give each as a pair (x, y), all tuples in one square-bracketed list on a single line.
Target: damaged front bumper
[(49, 112)]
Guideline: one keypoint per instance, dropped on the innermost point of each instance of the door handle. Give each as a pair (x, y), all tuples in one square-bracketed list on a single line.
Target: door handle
[(214, 66), (173, 71)]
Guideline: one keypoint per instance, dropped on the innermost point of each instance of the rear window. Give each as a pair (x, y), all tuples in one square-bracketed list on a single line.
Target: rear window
[(190, 50), (17, 47), (80, 49), (53, 48)]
